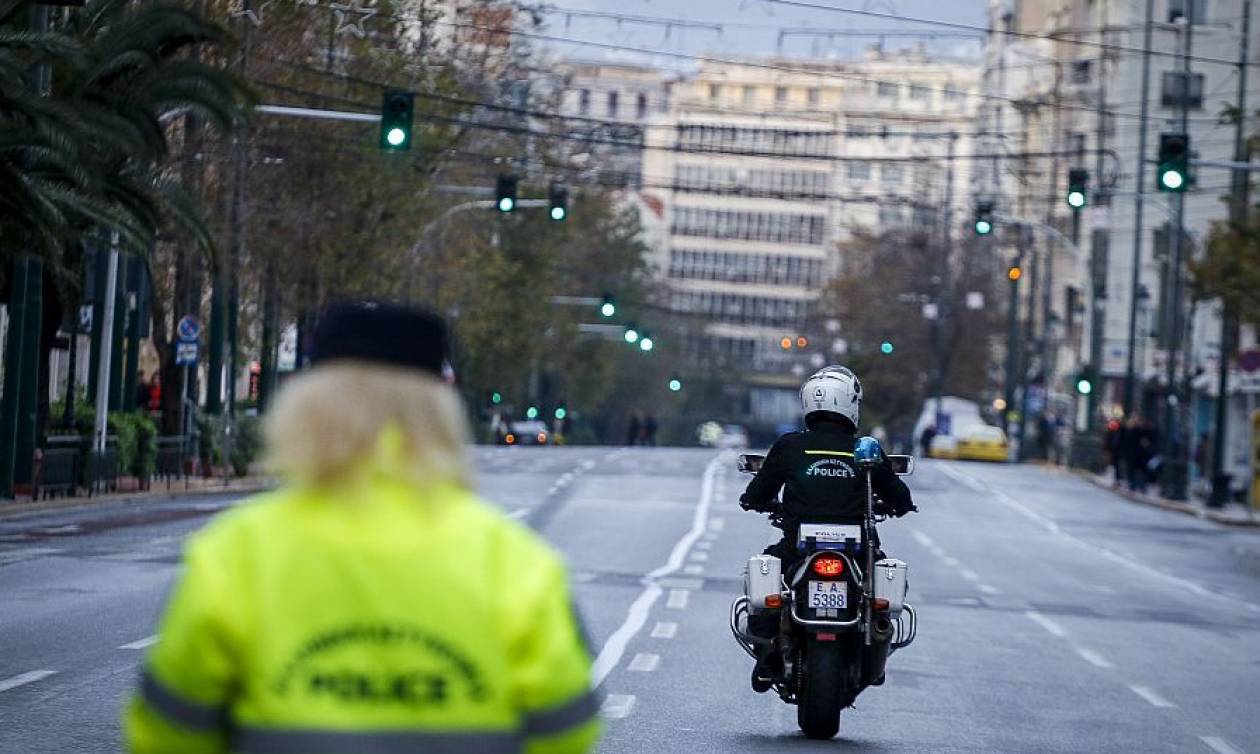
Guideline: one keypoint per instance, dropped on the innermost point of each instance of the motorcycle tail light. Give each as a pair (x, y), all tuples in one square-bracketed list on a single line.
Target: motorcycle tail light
[(828, 566), (774, 601), (879, 604)]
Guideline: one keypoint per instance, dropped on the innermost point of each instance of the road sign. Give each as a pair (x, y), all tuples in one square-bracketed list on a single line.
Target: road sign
[(1249, 360), (189, 328), (186, 353)]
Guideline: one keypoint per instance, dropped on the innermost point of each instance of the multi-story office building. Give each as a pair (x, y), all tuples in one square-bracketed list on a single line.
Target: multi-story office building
[(765, 170)]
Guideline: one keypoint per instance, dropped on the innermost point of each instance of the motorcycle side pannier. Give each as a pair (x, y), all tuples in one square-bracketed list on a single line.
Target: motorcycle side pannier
[(762, 578), (890, 583)]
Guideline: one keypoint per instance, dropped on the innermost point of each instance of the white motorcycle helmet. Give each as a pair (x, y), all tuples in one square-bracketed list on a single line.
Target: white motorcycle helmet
[(835, 390)]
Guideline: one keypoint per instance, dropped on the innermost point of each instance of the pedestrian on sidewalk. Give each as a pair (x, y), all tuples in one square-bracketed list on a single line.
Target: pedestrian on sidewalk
[(374, 603)]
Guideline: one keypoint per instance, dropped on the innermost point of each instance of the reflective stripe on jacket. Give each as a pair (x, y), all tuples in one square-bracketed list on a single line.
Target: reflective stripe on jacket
[(403, 620)]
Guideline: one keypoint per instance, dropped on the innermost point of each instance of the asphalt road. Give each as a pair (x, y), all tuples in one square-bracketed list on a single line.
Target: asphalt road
[(1054, 617)]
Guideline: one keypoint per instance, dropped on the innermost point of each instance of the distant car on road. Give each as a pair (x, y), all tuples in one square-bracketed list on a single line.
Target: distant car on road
[(978, 442), (714, 435), (528, 432)]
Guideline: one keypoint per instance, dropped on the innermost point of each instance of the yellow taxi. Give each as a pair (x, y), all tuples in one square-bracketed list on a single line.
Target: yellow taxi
[(980, 442)]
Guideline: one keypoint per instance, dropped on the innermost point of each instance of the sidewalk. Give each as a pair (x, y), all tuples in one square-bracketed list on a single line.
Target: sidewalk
[(157, 492), (1232, 514)]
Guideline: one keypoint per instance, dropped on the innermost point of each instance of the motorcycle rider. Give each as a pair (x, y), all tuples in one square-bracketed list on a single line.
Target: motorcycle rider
[(820, 482)]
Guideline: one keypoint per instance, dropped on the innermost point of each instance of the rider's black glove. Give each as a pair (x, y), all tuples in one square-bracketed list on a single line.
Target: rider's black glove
[(748, 506)]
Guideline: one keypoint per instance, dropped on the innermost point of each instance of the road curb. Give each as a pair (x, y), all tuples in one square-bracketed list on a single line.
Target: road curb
[(1170, 505), (17, 511)]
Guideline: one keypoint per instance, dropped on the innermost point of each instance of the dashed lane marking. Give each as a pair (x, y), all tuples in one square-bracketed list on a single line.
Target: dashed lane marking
[(25, 678), (678, 599), (614, 648), (989, 589), (644, 662), (922, 538), (969, 574), (717, 524), (1045, 623), (144, 643), (1150, 696), (518, 513), (664, 630), (616, 706), (704, 544), (951, 561), (694, 570), (1220, 745), (1095, 659), (699, 556)]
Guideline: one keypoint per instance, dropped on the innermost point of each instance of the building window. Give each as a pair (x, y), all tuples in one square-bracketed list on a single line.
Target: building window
[(954, 95), (891, 174), (780, 95), (612, 104), (1175, 91), (859, 170), (856, 130), (1076, 144), (812, 96), (715, 92), (584, 101), (750, 96), (1081, 70), (920, 92), (640, 106), (887, 89), (1179, 8)]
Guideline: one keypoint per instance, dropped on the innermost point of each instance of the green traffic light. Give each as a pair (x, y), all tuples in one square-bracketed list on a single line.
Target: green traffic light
[(1084, 386), (561, 412), (886, 347), (632, 335), (1172, 179), (531, 412), (507, 204), (558, 213), (608, 309), (1076, 199), (396, 136), (983, 227), (646, 343), (675, 385), (496, 397)]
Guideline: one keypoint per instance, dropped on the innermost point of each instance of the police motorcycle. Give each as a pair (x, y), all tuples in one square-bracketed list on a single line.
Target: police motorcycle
[(841, 612)]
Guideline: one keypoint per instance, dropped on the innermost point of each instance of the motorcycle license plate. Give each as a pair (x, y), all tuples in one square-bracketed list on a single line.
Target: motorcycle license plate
[(828, 595)]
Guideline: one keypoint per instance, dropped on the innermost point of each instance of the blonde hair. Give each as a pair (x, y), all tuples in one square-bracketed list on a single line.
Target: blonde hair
[(328, 422)]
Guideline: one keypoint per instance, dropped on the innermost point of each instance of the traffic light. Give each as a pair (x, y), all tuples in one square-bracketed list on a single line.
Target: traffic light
[(561, 412), (609, 307), (675, 385), (531, 412), (984, 218), (505, 193), (785, 343), (1085, 380), (646, 343), (558, 202), (1014, 273), (1173, 173), (397, 108), (1078, 180), (631, 334), (496, 397), (886, 347)]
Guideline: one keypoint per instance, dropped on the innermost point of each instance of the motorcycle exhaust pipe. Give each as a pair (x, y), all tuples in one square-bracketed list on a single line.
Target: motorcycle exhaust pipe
[(876, 655)]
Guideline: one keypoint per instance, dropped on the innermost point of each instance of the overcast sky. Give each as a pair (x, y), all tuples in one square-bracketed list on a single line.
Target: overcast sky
[(754, 26)]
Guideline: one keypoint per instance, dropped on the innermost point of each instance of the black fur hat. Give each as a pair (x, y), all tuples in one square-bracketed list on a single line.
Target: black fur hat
[(384, 333)]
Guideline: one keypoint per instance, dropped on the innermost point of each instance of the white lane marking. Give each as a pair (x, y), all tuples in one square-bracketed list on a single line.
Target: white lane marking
[(951, 561), (922, 538), (678, 599), (1155, 699), (1127, 561), (616, 706), (144, 643), (969, 574), (588, 465), (698, 555), (518, 513), (1095, 659), (938, 552), (1045, 623), (644, 663), (709, 536), (610, 654), (704, 544), (717, 524), (694, 570), (25, 678), (1220, 745), (664, 630), (987, 589)]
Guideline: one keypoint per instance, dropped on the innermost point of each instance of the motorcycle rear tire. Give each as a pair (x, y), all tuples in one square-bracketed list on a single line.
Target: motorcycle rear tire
[(818, 704)]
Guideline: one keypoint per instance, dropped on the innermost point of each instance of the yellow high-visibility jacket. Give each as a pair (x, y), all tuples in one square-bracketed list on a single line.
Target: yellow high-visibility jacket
[(407, 619)]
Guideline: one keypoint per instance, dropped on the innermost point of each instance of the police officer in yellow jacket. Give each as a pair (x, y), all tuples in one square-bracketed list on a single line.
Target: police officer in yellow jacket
[(374, 604)]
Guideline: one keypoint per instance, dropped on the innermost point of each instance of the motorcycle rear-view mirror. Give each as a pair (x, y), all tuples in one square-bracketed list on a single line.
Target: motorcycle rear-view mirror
[(902, 465), (750, 463)]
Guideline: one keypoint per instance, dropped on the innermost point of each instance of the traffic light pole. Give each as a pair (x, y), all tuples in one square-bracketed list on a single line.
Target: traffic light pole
[(1130, 371), (414, 253)]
